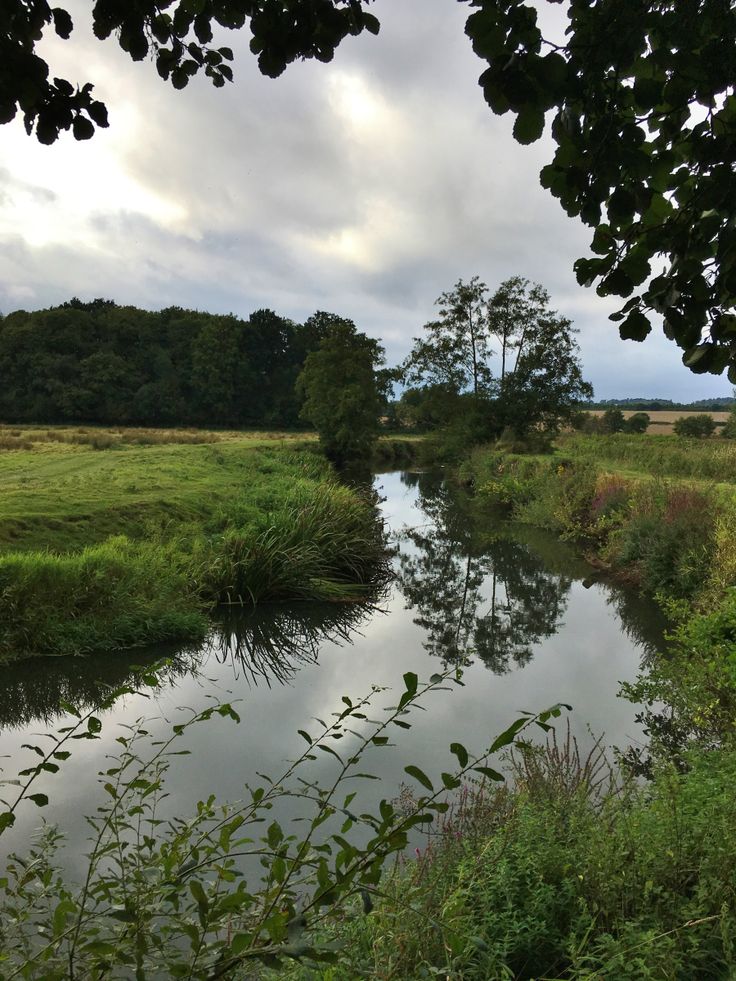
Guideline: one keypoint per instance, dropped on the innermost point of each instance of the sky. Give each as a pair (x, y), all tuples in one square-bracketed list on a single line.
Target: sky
[(365, 187)]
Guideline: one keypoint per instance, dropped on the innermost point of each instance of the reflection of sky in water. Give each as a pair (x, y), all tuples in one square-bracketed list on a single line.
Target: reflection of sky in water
[(581, 664)]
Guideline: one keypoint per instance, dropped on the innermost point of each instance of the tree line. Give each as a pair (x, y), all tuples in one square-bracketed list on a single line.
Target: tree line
[(492, 362), (98, 362)]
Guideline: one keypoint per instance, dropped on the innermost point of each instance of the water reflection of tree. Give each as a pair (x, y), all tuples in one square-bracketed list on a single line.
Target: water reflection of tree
[(490, 596), (36, 690), (270, 643), (266, 645)]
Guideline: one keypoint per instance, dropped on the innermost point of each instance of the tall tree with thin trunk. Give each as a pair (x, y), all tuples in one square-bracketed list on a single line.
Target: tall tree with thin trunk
[(455, 351)]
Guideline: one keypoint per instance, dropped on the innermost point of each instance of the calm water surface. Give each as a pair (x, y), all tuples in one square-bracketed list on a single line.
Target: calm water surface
[(532, 619)]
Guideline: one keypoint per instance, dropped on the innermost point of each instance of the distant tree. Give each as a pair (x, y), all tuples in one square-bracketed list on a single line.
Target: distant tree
[(342, 391), (579, 419), (456, 349), (540, 381), (219, 377), (613, 421), (514, 309), (546, 384), (637, 423), (700, 426), (427, 407)]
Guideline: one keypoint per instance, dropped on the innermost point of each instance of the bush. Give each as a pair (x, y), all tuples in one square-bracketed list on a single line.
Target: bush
[(729, 428), (638, 423), (566, 879), (698, 427), (666, 539), (613, 421), (689, 697)]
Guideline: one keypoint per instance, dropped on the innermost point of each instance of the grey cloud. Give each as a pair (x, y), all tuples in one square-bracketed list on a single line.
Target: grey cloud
[(270, 175)]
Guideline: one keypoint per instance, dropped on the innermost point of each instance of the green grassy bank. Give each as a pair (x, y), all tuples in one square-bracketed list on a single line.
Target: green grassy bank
[(131, 539)]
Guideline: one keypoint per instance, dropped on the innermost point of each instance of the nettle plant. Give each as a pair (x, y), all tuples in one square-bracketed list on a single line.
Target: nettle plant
[(170, 897)]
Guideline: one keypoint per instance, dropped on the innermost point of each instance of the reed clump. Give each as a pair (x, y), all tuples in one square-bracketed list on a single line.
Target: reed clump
[(113, 595)]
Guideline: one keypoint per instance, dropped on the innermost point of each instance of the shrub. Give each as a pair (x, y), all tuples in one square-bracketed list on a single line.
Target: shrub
[(637, 423), (566, 881), (613, 420), (729, 427), (699, 427), (666, 538), (689, 697)]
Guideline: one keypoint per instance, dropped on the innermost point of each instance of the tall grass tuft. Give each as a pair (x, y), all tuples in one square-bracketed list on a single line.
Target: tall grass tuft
[(114, 595), (321, 543)]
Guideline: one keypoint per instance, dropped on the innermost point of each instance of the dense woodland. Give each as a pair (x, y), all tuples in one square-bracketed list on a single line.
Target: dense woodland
[(99, 362)]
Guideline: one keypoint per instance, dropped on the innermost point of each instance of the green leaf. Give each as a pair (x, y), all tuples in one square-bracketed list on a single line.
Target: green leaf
[(508, 736), (458, 750), (419, 775), (40, 800), (411, 682), (635, 327), (529, 125), (486, 771)]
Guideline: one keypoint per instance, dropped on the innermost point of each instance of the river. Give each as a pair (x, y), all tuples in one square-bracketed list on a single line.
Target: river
[(530, 622)]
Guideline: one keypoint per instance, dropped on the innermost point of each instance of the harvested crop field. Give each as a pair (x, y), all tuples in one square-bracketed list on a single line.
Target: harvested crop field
[(662, 420)]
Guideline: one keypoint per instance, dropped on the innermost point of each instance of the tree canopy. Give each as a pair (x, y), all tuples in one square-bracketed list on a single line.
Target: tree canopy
[(176, 34), (539, 381), (644, 121), (343, 390), (103, 363)]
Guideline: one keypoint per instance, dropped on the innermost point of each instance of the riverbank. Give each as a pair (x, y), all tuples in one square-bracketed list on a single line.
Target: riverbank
[(110, 540)]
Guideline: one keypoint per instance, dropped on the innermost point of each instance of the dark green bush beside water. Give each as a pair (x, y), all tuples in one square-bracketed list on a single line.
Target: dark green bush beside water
[(557, 880)]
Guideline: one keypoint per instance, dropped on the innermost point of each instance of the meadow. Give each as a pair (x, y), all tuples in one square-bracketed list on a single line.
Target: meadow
[(117, 538), (712, 460)]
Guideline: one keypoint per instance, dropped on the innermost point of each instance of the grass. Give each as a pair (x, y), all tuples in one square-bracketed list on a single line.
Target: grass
[(662, 456), (134, 544), (67, 495)]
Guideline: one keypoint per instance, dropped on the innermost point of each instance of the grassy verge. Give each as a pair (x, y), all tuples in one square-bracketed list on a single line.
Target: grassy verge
[(670, 535), (661, 456), (122, 546)]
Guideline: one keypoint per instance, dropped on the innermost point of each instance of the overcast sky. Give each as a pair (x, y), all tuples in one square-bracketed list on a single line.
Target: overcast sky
[(365, 187)]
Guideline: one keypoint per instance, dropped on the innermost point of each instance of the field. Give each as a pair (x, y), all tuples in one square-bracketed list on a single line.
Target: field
[(117, 538), (712, 461), (662, 420), (65, 488)]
